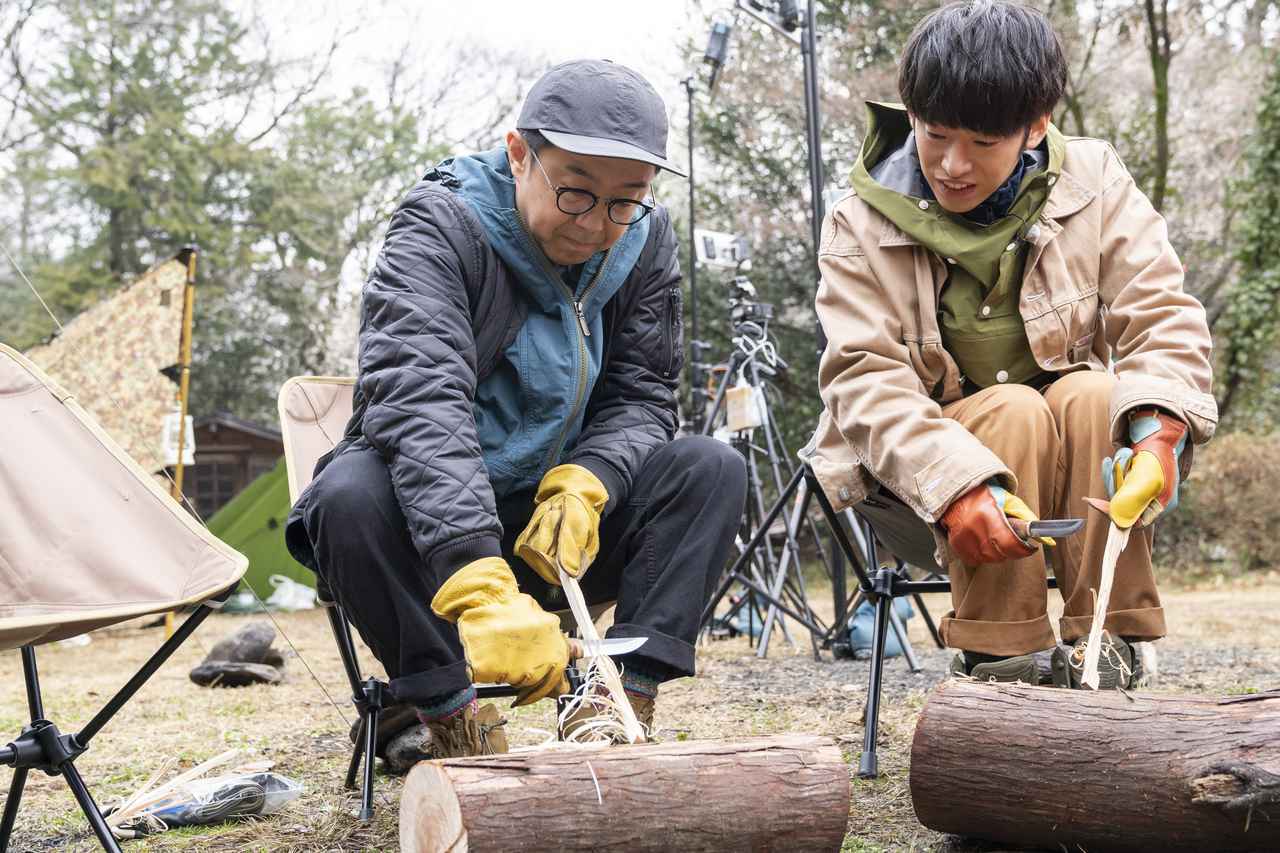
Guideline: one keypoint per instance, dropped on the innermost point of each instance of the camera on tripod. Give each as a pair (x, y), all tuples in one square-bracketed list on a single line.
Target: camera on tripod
[(729, 251), (743, 307)]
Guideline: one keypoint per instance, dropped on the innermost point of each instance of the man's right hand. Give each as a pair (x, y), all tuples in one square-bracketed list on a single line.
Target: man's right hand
[(978, 529), (506, 636)]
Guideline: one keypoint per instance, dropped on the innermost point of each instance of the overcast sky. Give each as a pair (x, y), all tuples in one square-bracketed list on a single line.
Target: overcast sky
[(643, 34)]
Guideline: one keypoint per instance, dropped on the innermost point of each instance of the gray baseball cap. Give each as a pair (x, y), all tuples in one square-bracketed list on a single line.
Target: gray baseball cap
[(601, 109)]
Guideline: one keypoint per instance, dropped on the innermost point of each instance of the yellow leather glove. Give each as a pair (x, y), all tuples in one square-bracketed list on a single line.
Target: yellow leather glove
[(565, 528), (1142, 480), (506, 636)]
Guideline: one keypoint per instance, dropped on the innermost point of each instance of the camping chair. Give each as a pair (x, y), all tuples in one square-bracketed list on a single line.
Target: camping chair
[(856, 530), (87, 539), (314, 411)]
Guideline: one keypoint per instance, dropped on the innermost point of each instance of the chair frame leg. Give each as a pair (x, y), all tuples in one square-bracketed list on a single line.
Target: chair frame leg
[(41, 746), (357, 753), (880, 586), (373, 693), (11, 806), (869, 761), (369, 697)]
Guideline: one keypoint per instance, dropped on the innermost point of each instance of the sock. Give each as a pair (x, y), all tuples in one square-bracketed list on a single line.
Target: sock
[(638, 682), (448, 706), (972, 659)]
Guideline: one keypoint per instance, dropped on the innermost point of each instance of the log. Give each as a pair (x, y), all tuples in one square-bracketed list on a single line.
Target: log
[(789, 793), (1110, 771)]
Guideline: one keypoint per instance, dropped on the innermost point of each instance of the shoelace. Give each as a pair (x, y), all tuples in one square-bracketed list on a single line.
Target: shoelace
[(1108, 652)]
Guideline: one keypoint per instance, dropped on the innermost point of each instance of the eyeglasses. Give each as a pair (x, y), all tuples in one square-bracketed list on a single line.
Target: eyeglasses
[(575, 202)]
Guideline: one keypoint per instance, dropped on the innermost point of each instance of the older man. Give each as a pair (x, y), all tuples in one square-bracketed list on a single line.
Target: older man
[(514, 415)]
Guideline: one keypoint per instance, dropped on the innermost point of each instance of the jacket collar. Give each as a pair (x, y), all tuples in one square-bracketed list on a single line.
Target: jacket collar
[(1069, 196)]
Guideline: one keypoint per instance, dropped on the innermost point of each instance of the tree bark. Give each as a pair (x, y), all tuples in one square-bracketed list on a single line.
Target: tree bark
[(789, 792), (1160, 50), (1108, 771)]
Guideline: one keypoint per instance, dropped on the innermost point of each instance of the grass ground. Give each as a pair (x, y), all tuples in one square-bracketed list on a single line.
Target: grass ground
[(1225, 639)]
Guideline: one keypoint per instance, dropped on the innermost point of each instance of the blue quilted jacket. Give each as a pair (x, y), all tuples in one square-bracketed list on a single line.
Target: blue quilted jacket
[(475, 375)]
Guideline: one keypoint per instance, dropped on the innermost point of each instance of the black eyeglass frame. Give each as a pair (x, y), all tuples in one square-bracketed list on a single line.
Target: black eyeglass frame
[(645, 207)]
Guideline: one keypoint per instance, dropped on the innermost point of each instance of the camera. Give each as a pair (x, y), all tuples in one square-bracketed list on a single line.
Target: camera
[(718, 249), (743, 306)]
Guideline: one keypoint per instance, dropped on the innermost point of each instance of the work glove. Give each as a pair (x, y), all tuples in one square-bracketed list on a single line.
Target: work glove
[(1142, 479), (506, 636), (978, 529), (565, 529)]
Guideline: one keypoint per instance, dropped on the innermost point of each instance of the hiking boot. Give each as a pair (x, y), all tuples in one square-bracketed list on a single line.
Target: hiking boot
[(393, 720), (587, 711), (1118, 665), (474, 731), (469, 732), (1017, 668)]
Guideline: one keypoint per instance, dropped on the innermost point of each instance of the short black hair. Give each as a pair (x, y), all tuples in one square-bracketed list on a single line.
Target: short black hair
[(987, 66), (535, 140)]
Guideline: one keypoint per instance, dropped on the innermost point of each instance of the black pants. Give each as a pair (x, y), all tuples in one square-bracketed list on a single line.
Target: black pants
[(661, 554)]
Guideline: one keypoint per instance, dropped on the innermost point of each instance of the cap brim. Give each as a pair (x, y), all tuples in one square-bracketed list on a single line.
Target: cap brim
[(594, 146)]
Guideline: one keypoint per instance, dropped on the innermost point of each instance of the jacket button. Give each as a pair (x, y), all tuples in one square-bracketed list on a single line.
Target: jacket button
[(1011, 247), (1002, 376), (1053, 179), (844, 493), (951, 261), (1033, 232), (986, 311), (924, 205)]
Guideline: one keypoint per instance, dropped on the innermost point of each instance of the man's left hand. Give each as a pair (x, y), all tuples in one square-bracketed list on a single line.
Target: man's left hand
[(565, 529), (1142, 479)]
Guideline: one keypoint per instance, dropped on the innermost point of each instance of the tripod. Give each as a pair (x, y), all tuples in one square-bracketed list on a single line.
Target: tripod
[(740, 409)]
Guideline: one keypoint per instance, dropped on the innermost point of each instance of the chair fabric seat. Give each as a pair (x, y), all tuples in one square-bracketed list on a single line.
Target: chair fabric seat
[(87, 537)]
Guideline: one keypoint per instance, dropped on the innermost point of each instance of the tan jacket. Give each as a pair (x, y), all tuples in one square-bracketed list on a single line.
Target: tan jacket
[(1102, 285)]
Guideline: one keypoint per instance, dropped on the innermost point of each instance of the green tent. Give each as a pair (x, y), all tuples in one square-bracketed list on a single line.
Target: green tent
[(253, 524)]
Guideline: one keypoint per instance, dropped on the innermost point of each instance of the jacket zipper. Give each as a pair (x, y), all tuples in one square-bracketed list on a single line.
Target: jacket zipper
[(675, 321), (584, 331)]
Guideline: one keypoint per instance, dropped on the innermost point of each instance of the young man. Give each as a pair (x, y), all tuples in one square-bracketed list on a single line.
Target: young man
[(520, 345), (1004, 309)]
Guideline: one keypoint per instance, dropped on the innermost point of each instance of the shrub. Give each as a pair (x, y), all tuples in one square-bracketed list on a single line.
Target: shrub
[(1228, 518)]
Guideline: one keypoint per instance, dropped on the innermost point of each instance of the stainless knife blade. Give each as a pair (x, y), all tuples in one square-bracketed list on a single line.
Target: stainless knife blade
[(1051, 527), (613, 647)]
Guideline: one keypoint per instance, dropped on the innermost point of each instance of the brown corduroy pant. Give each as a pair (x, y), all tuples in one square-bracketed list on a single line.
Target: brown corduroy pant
[(1054, 442)]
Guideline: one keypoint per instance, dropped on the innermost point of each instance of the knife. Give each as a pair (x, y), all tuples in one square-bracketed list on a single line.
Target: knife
[(1051, 527), (613, 647)]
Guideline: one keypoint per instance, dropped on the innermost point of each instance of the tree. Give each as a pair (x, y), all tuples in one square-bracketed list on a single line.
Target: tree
[(752, 166), (1160, 50), (753, 178), (145, 115), (1249, 323), (138, 126), (316, 204)]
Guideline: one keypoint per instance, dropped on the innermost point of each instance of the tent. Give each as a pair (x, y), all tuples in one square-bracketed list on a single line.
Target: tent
[(253, 523)]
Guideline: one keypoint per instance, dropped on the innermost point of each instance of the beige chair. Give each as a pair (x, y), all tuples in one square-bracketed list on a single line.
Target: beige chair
[(314, 411), (87, 539)]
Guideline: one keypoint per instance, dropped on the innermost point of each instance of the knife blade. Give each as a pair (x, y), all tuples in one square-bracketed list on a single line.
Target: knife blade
[(1051, 527), (1055, 527), (613, 647)]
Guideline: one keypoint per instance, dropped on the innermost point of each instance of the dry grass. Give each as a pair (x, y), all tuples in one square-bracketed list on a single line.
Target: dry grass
[(1226, 640)]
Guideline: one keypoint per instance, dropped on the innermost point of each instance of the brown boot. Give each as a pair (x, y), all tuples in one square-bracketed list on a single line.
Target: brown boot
[(468, 732), (642, 707), (471, 732)]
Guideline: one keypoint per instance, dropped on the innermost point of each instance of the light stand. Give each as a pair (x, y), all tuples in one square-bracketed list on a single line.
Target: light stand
[(785, 21)]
